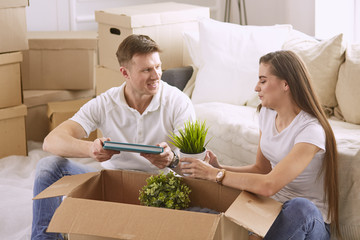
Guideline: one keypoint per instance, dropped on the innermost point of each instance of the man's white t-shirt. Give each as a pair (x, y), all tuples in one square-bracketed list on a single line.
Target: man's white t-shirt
[(109, 112), (275, 146)]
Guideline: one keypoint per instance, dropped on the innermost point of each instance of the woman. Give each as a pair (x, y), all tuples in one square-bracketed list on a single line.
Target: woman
[(296, 161)]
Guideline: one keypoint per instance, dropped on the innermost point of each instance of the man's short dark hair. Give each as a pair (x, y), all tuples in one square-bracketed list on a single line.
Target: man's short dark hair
[(135, 44)]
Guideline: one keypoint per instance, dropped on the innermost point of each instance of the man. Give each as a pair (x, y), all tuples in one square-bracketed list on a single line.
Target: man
[(143, 110)]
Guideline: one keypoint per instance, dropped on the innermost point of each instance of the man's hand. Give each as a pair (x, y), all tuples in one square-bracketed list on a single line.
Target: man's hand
[(98, 153), (161, 160)]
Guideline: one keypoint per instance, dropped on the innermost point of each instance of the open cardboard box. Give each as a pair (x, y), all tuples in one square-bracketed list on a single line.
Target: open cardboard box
[(105, 205)]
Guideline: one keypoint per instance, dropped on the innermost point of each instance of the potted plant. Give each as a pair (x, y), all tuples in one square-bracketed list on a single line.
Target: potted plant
[(166, 191), (191, 139)]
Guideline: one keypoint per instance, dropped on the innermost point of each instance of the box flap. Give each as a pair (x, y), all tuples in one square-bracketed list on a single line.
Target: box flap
[(128, 221), (8, 58), (151, 14), (43, 97), (13, 3), (62, 40), (65, 185), (66, 106), (253, 212), (12, 112)]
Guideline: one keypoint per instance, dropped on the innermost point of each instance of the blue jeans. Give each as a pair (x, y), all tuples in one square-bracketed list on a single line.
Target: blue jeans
[(299, 219), (49, 170)]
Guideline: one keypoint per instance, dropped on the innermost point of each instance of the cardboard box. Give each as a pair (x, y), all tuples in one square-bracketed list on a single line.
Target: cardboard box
[(13, 25), (104, 205), (59, 112), (12, 131), (10, 79), (163, 22), (37, 122), (60, 61), (106, 79)]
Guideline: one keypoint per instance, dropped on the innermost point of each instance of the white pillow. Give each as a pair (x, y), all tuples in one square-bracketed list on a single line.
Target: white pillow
[(348, 85), (191, 40), (230, 59), (323, 60)]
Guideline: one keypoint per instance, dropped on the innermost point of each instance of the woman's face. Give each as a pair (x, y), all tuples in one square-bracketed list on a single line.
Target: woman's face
[(271, 89)]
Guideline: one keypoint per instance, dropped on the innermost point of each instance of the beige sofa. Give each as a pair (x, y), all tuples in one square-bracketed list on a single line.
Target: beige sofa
[(225, 61)]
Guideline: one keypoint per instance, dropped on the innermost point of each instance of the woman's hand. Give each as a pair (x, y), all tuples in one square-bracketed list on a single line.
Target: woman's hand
[(198, 168), (212, 159)]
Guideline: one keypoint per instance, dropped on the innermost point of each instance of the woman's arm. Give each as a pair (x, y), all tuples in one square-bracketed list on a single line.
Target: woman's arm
[(258, 178), (261, 165), (283, 173)]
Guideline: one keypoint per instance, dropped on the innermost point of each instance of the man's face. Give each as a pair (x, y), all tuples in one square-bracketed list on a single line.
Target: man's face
[(143, 75)]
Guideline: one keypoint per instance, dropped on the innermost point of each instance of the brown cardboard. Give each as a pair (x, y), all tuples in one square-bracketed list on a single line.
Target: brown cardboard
[(263, 212), (12, 131), (106, 205), (163, 22), (132, 220), (13, 25), (59, 112), (37, 122), (107, 78), (10, 79), (60, 61)]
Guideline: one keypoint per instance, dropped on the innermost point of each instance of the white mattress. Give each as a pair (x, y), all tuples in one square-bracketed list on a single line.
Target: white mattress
[(234, 137)]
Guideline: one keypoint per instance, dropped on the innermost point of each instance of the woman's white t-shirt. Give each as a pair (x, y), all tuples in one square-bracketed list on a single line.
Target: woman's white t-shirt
[(275, 146)]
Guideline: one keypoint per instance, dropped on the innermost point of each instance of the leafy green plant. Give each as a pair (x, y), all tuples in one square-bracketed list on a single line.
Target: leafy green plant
[(191, 139), (166, 191)]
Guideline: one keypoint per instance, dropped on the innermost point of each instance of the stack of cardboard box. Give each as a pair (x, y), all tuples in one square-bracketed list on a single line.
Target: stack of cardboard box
[(58, 67), (12, 111)]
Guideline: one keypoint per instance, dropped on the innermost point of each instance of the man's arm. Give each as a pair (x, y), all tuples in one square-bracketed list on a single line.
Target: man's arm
[(65, 140)]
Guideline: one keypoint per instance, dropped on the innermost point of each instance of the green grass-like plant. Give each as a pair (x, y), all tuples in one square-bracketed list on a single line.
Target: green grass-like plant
[(191, 139), (166, 191)]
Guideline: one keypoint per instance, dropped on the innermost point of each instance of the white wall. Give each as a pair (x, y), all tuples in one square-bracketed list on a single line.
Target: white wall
[(299, 13), (49, 15), (334, 17), (73, 15), (320, 18), (357, 22)]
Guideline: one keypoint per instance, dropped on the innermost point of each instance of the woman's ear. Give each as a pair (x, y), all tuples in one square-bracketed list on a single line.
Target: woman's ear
[(285, 85)]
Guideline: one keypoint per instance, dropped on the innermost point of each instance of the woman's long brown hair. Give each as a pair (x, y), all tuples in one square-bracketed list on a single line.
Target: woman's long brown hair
[(288, 66)]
